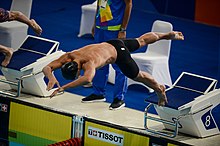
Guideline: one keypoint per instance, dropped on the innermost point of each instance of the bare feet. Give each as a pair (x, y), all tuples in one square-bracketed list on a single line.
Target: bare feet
[(162, 96), (8, 56), (37, 29), (176, 35)]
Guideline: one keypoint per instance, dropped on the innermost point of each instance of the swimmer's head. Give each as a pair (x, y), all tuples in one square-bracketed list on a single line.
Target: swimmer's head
[(69, 70)]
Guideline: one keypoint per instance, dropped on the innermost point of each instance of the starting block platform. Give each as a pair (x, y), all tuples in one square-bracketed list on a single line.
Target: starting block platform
[(24, 72), (193, 107)]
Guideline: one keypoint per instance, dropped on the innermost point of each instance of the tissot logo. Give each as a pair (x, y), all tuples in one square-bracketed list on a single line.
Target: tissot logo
[(106, 136), (3, 107)]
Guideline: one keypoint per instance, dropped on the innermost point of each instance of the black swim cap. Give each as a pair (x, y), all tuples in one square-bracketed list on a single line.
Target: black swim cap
[(69, 70)]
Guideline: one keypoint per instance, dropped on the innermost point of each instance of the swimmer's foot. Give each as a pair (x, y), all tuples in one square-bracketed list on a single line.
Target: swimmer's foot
[(8, 56), (37, 29), (162, 96), (176, 35)]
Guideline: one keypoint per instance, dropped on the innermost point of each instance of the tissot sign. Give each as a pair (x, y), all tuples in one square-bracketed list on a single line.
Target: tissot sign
[(106, 136)]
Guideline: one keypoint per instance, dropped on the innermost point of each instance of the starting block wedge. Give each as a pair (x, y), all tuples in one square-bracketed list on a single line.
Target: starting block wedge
[(24, 72), (193, 107)]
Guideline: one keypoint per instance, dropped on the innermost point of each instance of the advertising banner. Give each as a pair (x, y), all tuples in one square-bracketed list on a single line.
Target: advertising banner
[(99, 133)]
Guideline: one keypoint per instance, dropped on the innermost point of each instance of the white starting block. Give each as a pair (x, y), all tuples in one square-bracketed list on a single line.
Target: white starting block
[(193, 107), (24, 72)]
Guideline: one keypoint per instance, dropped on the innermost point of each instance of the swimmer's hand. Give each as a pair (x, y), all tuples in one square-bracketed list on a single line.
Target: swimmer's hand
[(57, 91), (52, 82)]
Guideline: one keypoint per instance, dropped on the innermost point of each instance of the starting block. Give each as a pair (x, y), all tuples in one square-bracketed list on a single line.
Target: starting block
[(24, 72), (193, 107)]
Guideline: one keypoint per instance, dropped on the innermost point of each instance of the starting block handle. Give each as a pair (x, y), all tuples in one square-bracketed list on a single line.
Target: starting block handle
[(174, 124), (8, 82), (18, 84)]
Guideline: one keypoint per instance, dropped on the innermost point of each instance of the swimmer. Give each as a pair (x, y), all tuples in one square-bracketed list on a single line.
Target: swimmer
[(15, 16), (94, 56)]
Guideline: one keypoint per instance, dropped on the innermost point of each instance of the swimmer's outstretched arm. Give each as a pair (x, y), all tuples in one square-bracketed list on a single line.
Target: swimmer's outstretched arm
[(89, 73), (8, 54), (52, 79), (47, 70)]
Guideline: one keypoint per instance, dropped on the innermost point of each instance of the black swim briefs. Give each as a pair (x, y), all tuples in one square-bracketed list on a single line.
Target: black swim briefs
[(124, 61)]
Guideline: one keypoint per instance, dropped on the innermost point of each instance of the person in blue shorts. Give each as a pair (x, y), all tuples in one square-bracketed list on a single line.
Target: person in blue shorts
[(111, 22), (94, 56), (6, 15)]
